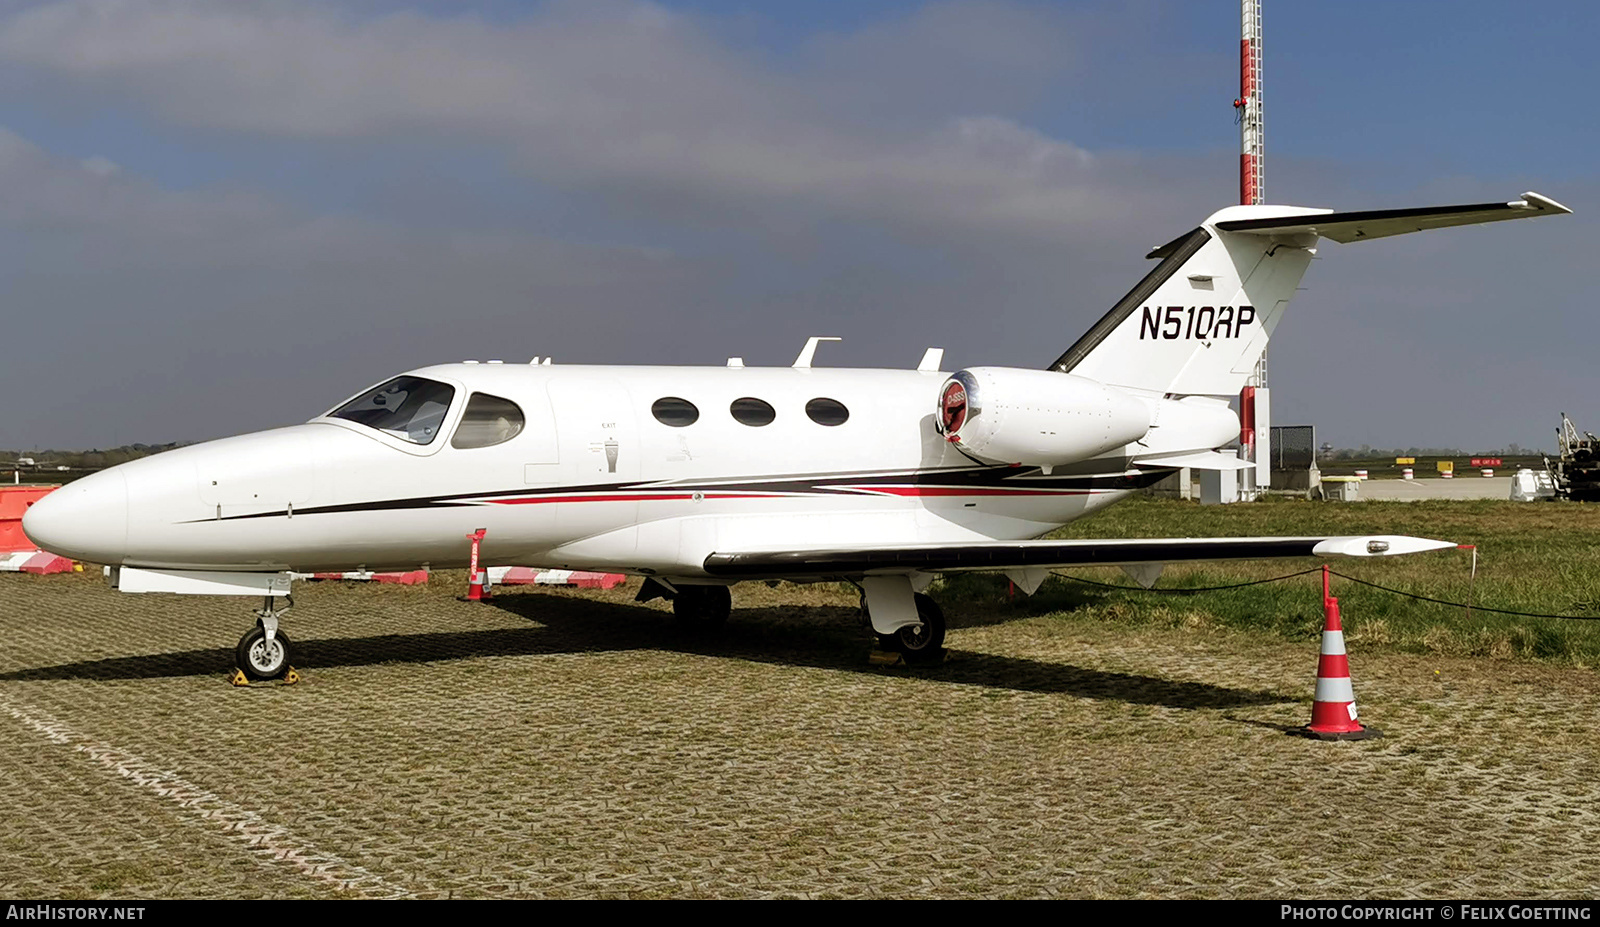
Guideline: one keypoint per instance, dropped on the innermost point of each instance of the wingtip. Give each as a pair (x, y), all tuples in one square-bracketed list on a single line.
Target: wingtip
[(1543, 203), (1378, 545)]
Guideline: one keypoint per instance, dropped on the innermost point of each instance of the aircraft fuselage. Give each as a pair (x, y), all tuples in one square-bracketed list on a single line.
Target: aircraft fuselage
[(594, 479)]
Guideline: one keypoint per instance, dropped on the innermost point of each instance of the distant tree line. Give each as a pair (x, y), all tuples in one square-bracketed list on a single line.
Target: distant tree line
[(97, 459), (1367, 452)]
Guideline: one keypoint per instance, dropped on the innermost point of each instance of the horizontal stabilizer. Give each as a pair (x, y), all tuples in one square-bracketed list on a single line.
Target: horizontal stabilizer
[(1201, 460), (1005, 555), (1382, 223)]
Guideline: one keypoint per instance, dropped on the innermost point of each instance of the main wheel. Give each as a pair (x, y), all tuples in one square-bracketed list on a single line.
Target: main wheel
[(261, 660), (922, 643), (702, 606)]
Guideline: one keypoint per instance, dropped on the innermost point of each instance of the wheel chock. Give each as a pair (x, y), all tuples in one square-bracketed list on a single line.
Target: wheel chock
[(896, 658), (240, 680)]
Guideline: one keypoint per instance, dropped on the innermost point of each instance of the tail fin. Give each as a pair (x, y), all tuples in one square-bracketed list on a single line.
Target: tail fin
[(1198, 323)]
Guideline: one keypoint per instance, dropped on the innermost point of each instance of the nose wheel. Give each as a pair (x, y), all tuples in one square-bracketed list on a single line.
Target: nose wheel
[(260, 658), (264, 651)]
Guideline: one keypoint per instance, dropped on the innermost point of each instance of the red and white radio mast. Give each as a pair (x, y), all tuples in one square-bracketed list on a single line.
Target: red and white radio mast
[(1254, 407), (1249, 105)]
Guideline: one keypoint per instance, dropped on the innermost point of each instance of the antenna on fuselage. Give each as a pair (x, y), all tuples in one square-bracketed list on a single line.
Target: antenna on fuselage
[(810, 350)]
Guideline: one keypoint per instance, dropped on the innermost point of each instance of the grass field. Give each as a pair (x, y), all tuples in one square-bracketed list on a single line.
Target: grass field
[(571, 743), (1540, 558)]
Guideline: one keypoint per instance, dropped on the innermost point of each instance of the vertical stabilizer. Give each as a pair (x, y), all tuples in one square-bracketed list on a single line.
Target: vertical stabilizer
[(1198, 323)]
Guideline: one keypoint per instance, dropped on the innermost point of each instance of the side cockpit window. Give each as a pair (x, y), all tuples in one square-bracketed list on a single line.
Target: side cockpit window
[(489, 420), (409, 408)]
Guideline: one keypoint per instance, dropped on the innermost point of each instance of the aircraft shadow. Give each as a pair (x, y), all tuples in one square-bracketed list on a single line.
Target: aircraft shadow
[(822, 637)]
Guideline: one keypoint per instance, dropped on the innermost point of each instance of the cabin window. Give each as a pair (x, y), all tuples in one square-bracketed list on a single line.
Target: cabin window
[(409, 408), (751, 411), (827, 411), (675, 412), (488, 420)]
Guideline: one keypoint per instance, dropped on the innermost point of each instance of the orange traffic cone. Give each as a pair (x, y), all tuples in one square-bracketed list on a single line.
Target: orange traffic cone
[(1333, 708)]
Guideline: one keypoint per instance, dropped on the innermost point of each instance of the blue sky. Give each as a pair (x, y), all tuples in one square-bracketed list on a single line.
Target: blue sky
[(225, 216)]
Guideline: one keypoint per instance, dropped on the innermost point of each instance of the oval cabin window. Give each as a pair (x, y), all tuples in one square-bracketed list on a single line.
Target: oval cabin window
[(827, 411), (675, 412), (487, 421), (751, 411)]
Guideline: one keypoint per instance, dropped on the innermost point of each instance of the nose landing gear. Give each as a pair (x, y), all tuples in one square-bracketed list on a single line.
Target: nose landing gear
[(264, 651)]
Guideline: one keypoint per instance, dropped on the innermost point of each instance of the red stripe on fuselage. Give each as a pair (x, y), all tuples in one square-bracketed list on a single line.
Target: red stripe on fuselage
[(631, 497), (961, 491)]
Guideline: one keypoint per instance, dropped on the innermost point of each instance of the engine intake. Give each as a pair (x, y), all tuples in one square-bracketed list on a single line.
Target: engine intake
[(1036, 417)]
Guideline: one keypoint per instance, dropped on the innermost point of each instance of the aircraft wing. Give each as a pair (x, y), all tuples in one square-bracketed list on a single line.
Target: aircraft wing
[(1011, 555), (1381, 223)]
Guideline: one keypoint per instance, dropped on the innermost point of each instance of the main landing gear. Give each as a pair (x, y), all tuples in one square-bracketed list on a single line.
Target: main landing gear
[(919, 643), (702, 607), (264, 651), (906, 623), (696, 607)]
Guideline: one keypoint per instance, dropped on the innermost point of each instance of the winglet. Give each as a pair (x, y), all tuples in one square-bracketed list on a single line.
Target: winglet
[(1537, 201)]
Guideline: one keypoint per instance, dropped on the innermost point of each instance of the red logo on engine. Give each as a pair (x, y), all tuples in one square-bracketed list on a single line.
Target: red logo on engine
[(953, 408)]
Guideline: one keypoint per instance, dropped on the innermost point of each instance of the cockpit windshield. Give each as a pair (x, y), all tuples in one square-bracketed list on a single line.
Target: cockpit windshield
[(410, 408)]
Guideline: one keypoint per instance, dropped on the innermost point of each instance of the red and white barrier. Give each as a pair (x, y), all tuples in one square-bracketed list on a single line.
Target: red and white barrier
[(532, 576), (34, 561), (14, 502)]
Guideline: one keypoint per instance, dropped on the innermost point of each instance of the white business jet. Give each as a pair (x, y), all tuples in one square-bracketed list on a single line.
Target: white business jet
[(700, 477)]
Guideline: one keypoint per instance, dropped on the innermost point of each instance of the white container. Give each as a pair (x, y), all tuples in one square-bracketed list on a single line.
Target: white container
[(1488, 472), (1405, 474), (1447, 475), (1361, 474)]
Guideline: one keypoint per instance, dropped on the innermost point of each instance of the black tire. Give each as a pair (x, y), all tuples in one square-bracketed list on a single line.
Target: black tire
[(260, 662), (923, 644), (702, 607)]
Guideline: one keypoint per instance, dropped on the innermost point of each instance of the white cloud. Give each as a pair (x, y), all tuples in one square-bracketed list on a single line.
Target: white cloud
[(615, 93), (885, 183)]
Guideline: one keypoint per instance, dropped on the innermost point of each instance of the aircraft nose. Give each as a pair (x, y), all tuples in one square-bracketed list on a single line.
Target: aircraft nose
[(85, 520)]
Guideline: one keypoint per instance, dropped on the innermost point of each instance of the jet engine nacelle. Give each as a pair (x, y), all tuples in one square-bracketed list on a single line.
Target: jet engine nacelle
[(1036, 417)]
